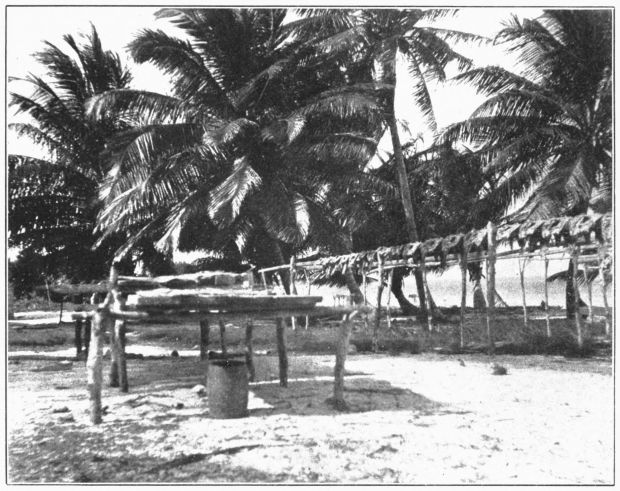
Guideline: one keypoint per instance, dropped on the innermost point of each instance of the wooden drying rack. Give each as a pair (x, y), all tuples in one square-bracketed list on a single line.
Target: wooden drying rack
[(204, 308)]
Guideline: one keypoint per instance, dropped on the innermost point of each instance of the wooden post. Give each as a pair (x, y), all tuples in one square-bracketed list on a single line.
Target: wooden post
[(120, 341), (344, 333), (113, 382), (114, 346), (375, 331), (429, 307), (365, 289), (61, 305), (264, 279), (87, 330), (307, 276), (249, 351), (119, 337), (575, 257), (222, 335), (387, 306), (601, 269), (522, 263), (463, 265), (204, 338), (491, 254), (589, 286), (78, 337), (547, 319), (282, 357), (292, 288), (94, 364)]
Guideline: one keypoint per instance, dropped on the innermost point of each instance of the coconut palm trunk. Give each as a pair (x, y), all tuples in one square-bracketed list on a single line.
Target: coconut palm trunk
[(405, 195)]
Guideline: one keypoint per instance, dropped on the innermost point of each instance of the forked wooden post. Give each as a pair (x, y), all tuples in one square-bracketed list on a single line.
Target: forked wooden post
[(344, 333), (463, 265), (547, 319), (491, 256), (204, 338), (375, 331), (249, 350), (282, 357), (575, 258), (94, 363)]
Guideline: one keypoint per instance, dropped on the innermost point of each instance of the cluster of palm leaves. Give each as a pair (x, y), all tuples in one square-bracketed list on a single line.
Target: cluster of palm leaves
[(262, 149)]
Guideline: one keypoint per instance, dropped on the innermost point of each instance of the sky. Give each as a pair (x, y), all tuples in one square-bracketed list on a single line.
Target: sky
[(28, 27)]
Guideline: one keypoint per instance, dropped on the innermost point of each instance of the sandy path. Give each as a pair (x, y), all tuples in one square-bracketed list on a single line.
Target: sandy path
[(414, 419)]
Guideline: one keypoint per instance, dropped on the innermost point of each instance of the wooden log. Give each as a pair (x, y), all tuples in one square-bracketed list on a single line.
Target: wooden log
[(344, 334), (375, 331), (522, 263), (463, 265), (94, 365), (282, 356), (575, 257), (222, 335), (249, 350), (547, 318), (204, 338), (264, 279), (491, 251)]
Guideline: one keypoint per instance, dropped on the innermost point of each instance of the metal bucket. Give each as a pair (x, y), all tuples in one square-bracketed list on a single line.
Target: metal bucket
[(227, 387)]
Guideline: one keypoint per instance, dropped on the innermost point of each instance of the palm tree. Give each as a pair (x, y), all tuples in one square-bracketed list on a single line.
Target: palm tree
[(547, 132), (260, 128), (52, 201), (380, 37)]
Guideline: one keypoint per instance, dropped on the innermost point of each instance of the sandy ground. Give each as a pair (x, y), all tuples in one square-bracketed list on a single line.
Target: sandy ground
[(417, 419)]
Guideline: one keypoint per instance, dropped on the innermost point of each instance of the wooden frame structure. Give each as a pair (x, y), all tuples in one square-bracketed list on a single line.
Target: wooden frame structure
[(585, 239), (204, 306)]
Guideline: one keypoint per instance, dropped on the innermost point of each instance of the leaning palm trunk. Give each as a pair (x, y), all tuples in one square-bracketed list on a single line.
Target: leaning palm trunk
[(405, 194), (406, 306)]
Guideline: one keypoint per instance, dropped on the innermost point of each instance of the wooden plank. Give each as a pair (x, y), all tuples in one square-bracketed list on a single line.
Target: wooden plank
[(153, 314), (225, 302), (282, 356)]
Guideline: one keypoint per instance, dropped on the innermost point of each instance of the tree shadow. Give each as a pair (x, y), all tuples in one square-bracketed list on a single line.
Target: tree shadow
[(362, 394)]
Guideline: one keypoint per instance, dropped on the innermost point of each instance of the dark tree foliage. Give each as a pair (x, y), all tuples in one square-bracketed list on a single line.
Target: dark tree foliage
[(53, 202)]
